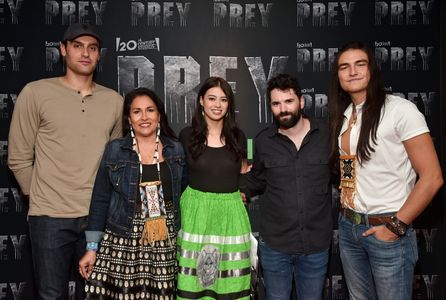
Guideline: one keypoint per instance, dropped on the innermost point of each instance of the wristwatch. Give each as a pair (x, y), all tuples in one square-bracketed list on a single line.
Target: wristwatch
[(397, 226)]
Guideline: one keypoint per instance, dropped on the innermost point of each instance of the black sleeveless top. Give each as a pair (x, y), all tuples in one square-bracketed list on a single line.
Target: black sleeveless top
[(216, 170), (149, 173)]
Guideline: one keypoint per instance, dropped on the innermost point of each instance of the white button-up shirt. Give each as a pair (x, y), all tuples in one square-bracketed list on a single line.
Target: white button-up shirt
[(385, 181)]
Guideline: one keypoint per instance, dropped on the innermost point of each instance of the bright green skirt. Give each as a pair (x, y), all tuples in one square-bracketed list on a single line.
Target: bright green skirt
[(213, 246)]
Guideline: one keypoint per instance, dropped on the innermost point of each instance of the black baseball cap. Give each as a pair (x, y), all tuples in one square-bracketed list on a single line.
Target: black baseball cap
[(78, 29)]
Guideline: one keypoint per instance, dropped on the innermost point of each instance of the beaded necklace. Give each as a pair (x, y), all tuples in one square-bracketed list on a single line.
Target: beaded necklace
[(153, 209), (354, 116), (155, 154)]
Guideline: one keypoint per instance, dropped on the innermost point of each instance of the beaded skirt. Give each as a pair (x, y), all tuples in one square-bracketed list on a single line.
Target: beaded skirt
[(125, 269)]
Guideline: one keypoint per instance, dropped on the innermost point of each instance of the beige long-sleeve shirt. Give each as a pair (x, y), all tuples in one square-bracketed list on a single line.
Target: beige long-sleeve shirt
[(56, 141)]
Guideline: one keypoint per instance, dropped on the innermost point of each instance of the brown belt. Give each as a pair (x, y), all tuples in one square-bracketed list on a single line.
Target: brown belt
[(358, 218)]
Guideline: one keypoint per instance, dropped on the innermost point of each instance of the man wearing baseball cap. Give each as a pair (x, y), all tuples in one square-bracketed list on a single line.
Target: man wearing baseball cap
[(58, 132), (78, 29)]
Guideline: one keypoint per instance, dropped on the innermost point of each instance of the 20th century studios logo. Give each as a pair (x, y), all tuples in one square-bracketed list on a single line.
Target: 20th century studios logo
[(139, 44)]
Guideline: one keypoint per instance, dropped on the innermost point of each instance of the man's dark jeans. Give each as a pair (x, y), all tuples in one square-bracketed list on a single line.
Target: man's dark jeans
[(57, 244)]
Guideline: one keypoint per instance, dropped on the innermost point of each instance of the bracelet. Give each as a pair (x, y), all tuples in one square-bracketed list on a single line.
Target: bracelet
[(93, 246), (397, 226)]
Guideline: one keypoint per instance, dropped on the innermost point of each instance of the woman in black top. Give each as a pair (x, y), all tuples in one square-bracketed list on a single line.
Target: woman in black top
[(214, 239)]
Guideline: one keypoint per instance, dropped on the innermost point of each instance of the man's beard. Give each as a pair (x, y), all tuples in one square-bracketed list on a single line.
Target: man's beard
[(288, 123)]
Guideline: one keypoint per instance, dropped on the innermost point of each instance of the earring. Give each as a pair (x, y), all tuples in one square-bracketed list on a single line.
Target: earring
[(131, 130), (158, 131), (132, 134), (202, 111)]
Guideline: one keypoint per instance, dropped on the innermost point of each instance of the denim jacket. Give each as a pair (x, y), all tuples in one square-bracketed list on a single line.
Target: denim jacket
[(115, 190)]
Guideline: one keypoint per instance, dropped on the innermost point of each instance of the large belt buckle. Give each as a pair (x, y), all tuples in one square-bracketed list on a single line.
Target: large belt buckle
[(356, 218)]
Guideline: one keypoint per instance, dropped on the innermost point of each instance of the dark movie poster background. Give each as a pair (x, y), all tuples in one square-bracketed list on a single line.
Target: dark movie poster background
[(172, 46)]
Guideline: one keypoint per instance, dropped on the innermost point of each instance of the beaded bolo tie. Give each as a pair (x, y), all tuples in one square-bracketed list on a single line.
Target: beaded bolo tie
[(347, 163), (153, 209)]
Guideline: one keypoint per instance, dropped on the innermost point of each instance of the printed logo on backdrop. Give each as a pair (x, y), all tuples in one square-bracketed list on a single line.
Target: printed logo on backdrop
[(6, 101), (313, 59), (316, 103), (12, 246), (3, 153), (69, 12), (12, 249), (12, 290), (425, 286), (182, 76), (11, 201), (426, 237), (236, 15), (52, 56), (253, 205), (403, 12), (259, 76), (10, 57), (159, 14), (422, 99), (338, 288), (137, 45), (335, 242), (10, 10), (397, 58), (324, 13), (54, 61)]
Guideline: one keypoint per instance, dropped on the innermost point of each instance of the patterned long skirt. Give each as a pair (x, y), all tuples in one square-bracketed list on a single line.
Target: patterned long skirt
[(213, 246), (125, 269)]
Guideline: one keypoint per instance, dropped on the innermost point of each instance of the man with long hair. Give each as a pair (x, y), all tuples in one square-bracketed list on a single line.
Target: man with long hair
[(291, 170), (380, 143)]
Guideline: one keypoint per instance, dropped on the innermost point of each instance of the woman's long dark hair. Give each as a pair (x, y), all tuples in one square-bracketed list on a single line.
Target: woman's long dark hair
[(231, 134), (371, 114), (164, 122)]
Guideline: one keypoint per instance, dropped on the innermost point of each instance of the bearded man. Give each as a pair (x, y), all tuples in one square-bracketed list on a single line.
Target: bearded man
[(291, 170)]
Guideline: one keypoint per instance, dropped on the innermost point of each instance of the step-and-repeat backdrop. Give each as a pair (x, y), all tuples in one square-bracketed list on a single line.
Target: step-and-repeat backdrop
[(172, 46)]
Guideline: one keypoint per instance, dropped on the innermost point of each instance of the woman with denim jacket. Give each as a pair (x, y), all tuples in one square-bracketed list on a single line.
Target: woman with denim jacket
[(134, 214)]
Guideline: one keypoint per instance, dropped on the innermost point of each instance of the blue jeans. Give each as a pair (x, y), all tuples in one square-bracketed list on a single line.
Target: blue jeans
[(57, 244), (376, 269), (278, 268)]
